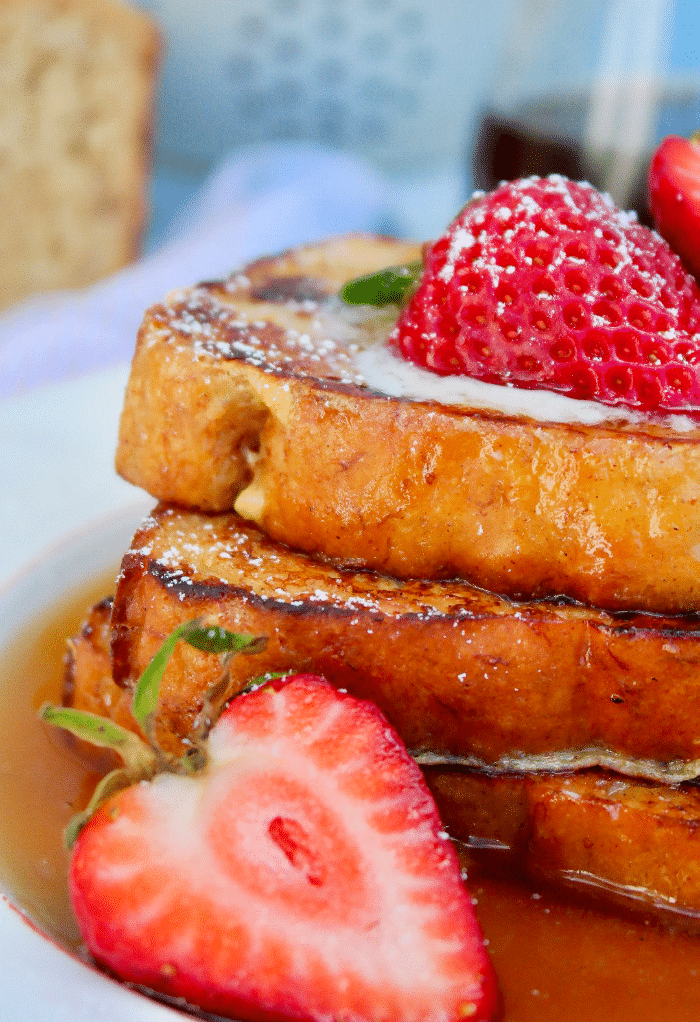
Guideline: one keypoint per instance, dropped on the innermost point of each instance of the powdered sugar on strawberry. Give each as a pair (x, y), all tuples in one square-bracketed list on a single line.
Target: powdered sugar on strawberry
[(544, 284)]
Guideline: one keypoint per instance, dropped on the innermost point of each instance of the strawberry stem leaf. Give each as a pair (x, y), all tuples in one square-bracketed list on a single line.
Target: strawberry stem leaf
[(207, 639), (138, 757), (194, 760), (386, 287), (113, 782), (262, 679), (142, 761), (145, 699), (214, 639)]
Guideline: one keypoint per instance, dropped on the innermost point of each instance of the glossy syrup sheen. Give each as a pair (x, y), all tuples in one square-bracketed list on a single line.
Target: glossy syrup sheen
[(42, 781), (557, 961)]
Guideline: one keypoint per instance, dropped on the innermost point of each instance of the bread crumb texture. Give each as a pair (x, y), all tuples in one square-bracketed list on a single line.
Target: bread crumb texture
[(77, 81)]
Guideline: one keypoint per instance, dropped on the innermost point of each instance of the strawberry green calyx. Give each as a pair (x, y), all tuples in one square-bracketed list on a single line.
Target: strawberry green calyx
[(143, 760), (113, 782), (137, 756), (207, 639), (263, 679), (392, 286)]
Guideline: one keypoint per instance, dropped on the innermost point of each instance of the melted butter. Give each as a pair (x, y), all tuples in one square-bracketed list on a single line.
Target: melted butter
[(557, 960)]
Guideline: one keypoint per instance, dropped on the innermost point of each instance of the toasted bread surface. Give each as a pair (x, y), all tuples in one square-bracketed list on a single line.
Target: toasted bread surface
[(463, 676), (88, 683), (191, 420), (248, 379)]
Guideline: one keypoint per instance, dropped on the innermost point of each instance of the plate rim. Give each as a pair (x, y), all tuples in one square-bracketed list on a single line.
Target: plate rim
[(43, 978)]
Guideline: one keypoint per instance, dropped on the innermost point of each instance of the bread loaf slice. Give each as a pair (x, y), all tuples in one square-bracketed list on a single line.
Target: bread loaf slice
[(77, 80)]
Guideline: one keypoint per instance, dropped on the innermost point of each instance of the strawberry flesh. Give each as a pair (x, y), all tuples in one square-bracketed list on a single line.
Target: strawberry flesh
[(674, 197), (304, 875), (544, 284)]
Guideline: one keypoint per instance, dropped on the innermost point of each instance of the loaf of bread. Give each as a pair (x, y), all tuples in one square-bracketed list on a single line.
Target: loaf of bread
[(77, 82)]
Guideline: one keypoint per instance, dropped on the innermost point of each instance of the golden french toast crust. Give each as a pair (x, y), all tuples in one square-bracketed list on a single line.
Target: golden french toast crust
[(244, 378), (527, 511), (578, 830), (180, 583), (94, 644), (461, 674)]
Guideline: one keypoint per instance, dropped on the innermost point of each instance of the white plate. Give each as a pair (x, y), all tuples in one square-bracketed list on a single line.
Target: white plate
[(39, 979), (64, 517)]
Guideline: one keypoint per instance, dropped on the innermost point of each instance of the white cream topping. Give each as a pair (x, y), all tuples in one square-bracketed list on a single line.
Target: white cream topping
[(381, 369), (384, 371)]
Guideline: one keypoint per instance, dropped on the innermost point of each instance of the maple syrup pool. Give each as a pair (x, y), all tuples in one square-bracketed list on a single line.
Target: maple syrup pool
[(557, 961)]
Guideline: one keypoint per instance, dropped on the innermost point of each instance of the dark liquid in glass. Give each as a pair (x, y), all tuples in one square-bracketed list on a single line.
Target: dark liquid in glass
[(507, 148)]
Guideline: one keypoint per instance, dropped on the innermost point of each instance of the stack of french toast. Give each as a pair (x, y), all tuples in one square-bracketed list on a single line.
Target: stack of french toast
[(515, 595)]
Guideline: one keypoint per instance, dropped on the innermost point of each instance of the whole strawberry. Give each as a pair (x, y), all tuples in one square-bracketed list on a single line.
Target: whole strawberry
[(674, 196), (544, 284)]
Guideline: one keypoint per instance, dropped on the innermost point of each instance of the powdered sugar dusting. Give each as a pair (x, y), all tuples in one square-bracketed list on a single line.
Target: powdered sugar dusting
[(206, 326), (192, 555)]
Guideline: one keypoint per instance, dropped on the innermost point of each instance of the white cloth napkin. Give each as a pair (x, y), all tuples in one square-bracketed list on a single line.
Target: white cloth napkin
[(257, 202)]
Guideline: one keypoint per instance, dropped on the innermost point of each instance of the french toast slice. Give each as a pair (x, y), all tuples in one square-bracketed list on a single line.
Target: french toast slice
[(572, 829), (465, 677), (191, 421), (88, 683), (247, 393), (630, 842)]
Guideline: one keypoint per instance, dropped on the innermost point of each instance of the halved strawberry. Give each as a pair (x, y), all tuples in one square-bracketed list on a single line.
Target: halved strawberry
[(674, 196), (544, 284), (292, 866), (303, 875)]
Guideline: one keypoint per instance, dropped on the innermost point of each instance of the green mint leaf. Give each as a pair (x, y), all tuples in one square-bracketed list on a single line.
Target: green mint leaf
[(386, 287)]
